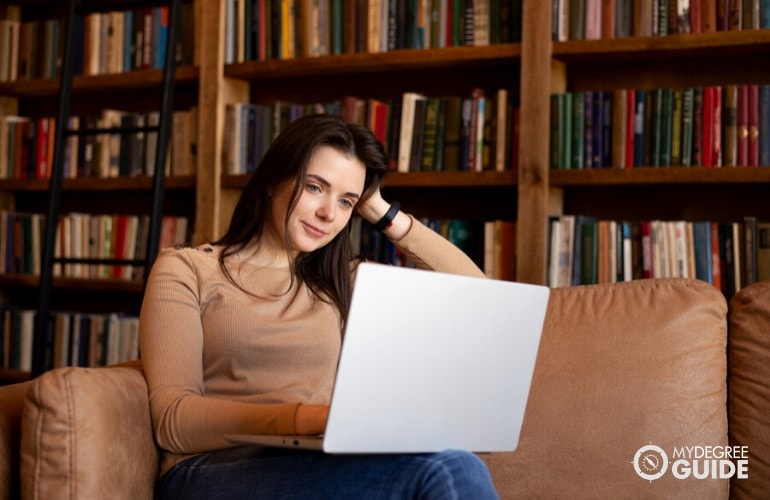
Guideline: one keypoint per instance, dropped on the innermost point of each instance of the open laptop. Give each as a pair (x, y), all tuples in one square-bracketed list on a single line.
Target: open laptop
[(429, 361)]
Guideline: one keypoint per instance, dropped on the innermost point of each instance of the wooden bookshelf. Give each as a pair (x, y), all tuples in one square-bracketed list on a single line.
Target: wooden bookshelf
[(132, 91), (724, 194), (531, 70)]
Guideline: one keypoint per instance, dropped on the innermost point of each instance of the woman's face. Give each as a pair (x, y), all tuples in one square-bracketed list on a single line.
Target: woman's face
[(334, 184)]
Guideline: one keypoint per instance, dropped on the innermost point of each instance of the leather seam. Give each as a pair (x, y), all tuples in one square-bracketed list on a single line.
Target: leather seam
[(71, 437)]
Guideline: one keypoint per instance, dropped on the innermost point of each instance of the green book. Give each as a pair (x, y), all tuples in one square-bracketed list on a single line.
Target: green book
[(676, 129), (438, 157), (688, 101), (429, 134), (566, 120), (578, 130)]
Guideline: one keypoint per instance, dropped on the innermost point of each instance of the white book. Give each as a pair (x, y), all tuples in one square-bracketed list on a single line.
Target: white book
[(408, 101)]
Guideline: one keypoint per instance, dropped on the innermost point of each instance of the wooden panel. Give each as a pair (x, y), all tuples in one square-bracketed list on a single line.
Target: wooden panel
[(531, 240)]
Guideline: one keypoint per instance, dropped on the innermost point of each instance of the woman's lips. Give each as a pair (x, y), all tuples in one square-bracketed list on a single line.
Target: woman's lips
[(313, 231)]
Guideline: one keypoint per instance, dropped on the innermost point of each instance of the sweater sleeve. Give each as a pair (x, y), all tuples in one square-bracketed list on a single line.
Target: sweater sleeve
[(429, 250), (185, 421)]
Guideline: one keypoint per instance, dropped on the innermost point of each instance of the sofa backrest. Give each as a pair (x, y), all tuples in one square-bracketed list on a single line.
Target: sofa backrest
[(622, 367), (749, 386), (87, 433)]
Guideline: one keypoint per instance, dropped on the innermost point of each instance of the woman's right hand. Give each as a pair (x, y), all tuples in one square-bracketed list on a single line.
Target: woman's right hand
[(311, 419)]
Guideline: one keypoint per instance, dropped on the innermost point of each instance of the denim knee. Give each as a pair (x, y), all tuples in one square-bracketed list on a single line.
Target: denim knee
[(458, 474)]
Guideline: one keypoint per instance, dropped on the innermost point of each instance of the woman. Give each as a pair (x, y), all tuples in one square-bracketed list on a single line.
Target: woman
[(243, 335)]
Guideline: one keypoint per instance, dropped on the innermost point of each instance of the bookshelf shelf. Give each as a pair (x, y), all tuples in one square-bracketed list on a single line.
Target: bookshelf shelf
[(110, 286), (659, 176), (452, 179), (133, 80), (703, 45), (397, 60), (142, 183), (420, 180)]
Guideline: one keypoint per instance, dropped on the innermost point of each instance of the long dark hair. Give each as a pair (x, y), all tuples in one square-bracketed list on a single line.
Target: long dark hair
[(326, 270)]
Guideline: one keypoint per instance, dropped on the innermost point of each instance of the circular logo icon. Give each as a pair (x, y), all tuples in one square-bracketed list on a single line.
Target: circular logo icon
[(650, 462)]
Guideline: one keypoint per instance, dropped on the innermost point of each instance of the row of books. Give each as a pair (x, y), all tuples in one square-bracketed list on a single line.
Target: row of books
[(82, 235), (77, 339), (285, 29), (26, 146), (420, 133), (111, 42), (585, 250), (607, 19), (710, 126), (491, 244)]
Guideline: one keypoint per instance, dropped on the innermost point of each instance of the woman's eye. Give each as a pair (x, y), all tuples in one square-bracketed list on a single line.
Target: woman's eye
[(346, 203), (314, 188)]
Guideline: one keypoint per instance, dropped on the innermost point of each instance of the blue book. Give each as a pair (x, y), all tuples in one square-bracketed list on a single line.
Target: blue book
[(702, 244), (128, 40), (159, 36), (764, 14), (764, 125)]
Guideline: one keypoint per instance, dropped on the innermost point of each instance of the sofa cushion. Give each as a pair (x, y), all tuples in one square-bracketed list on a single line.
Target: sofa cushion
[(749, 386), (621, 367), (86, 433)]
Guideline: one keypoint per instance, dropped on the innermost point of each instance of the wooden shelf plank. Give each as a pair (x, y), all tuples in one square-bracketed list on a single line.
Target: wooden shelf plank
[(659, 175), (743, 42), (11, 280), (396, 60), (139, 79), (140, 183), (420, 180)]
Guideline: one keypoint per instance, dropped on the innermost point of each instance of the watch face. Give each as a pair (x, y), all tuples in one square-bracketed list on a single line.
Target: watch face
[(650, 462)]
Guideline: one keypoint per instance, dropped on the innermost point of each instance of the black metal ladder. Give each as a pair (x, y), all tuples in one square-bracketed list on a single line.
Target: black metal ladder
[(77, 10)]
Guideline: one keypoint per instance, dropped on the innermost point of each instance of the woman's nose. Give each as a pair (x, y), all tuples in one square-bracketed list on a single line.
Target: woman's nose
[(327, 210)]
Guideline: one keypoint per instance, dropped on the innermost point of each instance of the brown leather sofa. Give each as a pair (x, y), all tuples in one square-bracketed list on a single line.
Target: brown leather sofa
[(627, 376)]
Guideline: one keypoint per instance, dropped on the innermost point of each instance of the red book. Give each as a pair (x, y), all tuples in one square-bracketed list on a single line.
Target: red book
[(743, 126), (708, 15), (378, 119), (608, 19), (752, 106), (716, 150), (707, 127), (119, 242), (41, 146), (630, 107), (696, 21), (647, 268)]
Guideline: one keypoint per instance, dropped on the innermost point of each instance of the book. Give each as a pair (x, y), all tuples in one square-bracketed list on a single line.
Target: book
[(730, 124), (406, 133), (752, 105), (742, 127), (763, 250)]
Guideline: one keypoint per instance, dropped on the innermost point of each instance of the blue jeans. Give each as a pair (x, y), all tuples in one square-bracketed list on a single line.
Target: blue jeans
[(253, 472)]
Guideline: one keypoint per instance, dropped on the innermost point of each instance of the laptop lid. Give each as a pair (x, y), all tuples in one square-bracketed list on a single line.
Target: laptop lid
[(430, 361)]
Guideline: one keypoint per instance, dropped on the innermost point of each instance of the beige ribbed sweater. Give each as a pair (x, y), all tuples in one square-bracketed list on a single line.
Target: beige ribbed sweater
[(219, 361)]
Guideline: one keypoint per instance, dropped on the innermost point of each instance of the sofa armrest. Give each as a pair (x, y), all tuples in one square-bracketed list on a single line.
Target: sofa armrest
[(749, 386), (86, 433), (11, 405)]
